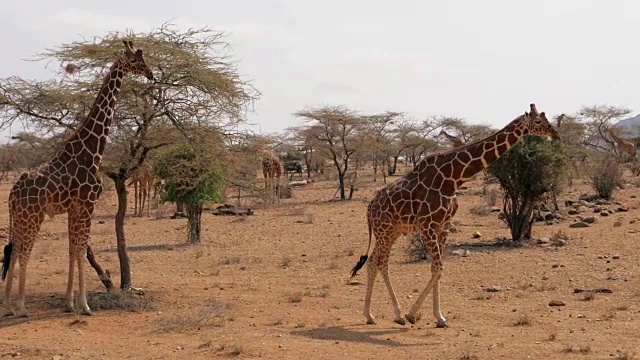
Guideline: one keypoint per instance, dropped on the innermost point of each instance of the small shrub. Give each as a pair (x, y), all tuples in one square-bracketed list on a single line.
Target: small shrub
[(606, 175), (295, 297), (417, 250), (588, 295), (523, 320)]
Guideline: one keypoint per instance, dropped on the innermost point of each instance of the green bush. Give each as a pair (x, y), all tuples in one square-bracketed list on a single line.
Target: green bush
[(193, 177), (530, 169)]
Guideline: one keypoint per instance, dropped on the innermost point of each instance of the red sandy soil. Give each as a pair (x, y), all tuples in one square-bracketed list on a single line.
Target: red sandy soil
[(276, 285)]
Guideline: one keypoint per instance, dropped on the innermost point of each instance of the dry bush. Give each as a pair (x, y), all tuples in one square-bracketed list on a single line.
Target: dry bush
[(210, 315), (523, 320), (606, 175), (417, 250)]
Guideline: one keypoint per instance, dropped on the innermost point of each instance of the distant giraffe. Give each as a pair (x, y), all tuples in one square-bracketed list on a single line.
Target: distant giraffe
[(624, 146), (424, 200), (272, 170), (142, 181), (454, 139), (69, 183)]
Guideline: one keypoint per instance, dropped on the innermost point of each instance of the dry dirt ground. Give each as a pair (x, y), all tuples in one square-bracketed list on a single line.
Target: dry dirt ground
[(276, 285)]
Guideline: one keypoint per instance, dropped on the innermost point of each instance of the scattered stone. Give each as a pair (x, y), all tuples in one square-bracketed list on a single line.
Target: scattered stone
[(544, 240), (461, 252), (589, 219), (495, 209), (617, 224), (623, 208), (556, 303), (493, 288), (598, 290), (604, 213), (476, 235), (615, 257), (573, 212), (580, 224), (615, 277), (633, 221), (597, 209)]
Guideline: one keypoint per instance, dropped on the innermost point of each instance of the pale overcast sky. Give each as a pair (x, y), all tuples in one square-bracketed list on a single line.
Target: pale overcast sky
[(481, 60)]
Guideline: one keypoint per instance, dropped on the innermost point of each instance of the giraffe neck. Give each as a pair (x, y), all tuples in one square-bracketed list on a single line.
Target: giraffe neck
[(464, 162), (477, 156), (86, 145)]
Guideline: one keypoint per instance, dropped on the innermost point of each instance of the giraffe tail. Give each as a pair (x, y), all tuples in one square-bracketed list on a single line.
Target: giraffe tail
[(6, 260), (363, 258), (8, 248)]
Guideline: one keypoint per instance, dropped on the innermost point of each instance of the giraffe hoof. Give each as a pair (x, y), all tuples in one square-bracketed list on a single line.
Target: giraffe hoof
[(86, 312), (371, 321), (69, 309), (23, 315), (442, 324), (399, 321), (9, 313), (413, 319)]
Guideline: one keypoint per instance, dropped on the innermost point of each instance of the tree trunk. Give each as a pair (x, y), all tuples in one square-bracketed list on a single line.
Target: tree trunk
[(395, 165), (375, 169), (341, 185), (519, 217), (195, 223), (104, 275), (123, 256)]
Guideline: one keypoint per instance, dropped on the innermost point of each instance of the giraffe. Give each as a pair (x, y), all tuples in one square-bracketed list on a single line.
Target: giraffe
[(424, 201), (271, 170), (454, 139), (624, 146), (69, 183), (142, 182)]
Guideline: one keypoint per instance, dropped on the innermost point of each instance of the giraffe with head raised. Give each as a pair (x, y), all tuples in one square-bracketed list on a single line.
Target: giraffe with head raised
[(424, 201), (69, 183), (142, 181), (624, 146), (454, 139), (272, 170)]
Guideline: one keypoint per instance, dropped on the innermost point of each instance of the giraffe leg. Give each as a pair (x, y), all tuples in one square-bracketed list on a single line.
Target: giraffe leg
[(79, 229), (23, 260), (394, 300), (372, 271), (69, 303), (28, 229), (431, 241)]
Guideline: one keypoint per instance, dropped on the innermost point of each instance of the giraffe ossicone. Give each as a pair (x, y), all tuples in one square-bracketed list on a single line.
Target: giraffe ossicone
[(68, 183), (424, 201)]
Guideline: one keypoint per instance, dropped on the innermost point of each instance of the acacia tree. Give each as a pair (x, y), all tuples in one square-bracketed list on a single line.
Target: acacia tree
[(378, 136), (336, 129), (195, 85), (465, 131), (598, 119)]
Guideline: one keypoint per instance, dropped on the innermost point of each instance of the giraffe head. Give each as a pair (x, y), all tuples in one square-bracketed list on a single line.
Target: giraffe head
[(134, 61), (537, 124)]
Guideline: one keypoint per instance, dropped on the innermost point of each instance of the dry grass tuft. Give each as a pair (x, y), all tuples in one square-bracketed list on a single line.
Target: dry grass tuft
[(210, 315)]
